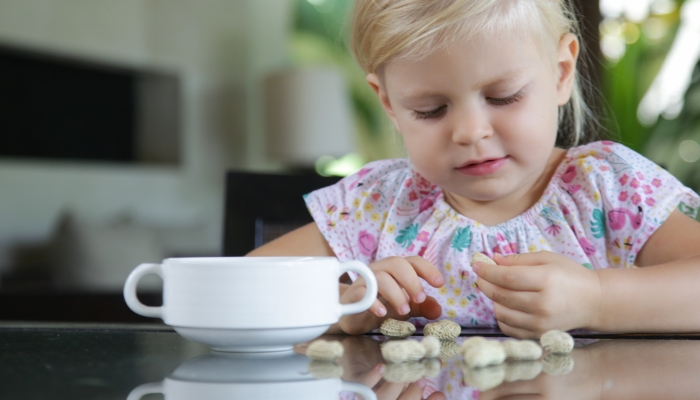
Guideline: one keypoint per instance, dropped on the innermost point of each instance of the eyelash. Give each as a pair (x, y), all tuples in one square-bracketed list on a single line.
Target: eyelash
[(506, 100), (495, 100)]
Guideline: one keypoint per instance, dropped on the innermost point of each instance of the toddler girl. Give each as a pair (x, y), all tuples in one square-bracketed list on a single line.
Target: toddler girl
[(487, 99)]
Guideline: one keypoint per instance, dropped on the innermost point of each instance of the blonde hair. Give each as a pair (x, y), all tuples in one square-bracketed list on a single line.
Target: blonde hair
[(384, 30)]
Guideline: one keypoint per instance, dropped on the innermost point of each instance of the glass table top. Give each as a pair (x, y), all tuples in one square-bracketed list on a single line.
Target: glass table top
[(109, 361)]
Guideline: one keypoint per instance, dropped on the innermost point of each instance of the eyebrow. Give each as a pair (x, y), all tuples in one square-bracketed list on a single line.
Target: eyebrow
[(505, 76)]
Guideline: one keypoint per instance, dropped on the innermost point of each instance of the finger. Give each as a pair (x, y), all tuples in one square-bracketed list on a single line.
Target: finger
[(426, 270), (392, 292), (515, 299), (378, 309), (404, 273), (356, 292), (513, 318), (524, 259), (429, 309), (414, 391), (510, 277), (371, 377), (437, 396), (517, 332), (390, 391)]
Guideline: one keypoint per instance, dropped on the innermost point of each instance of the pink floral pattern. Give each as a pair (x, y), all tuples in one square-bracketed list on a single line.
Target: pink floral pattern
[(599, 209)]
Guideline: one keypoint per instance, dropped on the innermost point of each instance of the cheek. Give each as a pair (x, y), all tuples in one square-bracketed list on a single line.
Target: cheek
[(425, 152), (535, 121)]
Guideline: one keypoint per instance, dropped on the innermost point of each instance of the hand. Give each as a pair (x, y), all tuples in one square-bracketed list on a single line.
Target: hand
[(536, 292), (399, 286)]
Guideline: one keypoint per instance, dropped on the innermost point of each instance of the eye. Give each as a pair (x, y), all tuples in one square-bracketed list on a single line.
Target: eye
[(429, 114), (504, 101)]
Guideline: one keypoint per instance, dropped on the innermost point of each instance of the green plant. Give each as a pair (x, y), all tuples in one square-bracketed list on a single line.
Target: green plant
[(319, 38)]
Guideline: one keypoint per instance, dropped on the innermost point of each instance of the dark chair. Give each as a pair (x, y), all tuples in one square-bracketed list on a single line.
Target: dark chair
[(262, 207)]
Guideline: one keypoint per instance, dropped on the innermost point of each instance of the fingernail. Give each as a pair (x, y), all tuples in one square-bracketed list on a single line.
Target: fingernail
[(380, 368), (420, 297), (381, 311), (475, 268), (422, 383), (439, 280), (405, 309)]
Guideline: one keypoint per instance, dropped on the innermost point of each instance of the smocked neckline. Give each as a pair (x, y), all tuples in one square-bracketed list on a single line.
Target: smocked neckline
[(443, 205)]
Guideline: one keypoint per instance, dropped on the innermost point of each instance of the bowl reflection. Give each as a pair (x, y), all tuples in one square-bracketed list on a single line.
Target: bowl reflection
[(251, 376)]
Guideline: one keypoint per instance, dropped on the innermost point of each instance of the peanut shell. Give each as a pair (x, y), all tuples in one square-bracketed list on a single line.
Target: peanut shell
[(407, 372), (522, 370), (448, 349), (522, 349), (397, 351), (323, 350), (483, 379), (557, 364), (489, 352), (397, 329), (557, 342), (432, 346), (480, 257), (443, 330)]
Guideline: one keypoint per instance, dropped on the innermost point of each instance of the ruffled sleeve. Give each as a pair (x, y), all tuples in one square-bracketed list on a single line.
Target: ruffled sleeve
[(625, 197), (352, 213)]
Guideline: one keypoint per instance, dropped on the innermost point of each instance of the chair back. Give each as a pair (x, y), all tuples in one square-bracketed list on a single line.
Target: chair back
[(262, 207)]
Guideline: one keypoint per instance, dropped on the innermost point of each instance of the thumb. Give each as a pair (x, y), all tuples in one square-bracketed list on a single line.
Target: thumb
[(428, 309)]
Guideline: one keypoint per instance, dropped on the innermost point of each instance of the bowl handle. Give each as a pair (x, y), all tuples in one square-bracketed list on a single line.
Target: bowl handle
[(370, 281), (358, 388), (130, 290), (146, 388)]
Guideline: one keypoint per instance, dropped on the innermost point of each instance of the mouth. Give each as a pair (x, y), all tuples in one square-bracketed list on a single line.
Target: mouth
[(483, 167)]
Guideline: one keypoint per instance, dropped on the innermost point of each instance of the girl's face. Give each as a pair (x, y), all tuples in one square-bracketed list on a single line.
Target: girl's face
[(479, 118)]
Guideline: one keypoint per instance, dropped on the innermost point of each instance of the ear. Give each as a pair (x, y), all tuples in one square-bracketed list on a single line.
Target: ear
[(566, 66), (376, 84)]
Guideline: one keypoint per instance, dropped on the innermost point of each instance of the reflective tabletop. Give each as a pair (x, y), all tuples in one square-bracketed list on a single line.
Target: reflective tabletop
[(112, 361)]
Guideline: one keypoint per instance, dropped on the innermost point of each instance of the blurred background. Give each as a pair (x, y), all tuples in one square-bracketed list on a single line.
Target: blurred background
[(120, 118)]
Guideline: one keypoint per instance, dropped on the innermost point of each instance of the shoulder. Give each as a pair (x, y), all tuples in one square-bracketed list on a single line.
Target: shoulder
[(379, 174), (620, 196), (392, 179), (352, 213), (375, 176), (609, 157), (607, 164)]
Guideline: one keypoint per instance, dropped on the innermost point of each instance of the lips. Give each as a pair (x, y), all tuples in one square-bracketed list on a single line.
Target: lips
[(483, 167)]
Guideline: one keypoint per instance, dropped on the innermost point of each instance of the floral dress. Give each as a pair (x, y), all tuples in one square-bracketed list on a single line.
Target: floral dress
[(602, 204)]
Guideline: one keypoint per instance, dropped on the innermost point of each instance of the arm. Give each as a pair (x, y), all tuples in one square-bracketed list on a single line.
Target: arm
[(662, 295), (305, 241)]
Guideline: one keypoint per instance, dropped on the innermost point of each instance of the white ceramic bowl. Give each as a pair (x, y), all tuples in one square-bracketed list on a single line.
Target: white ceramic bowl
[(250, 304), (251, 340)]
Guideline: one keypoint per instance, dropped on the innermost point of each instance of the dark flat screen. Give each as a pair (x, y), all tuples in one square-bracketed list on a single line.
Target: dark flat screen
[(57, 109)]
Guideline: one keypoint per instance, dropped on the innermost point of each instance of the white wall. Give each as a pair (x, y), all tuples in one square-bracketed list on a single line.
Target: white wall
[(219, 48)]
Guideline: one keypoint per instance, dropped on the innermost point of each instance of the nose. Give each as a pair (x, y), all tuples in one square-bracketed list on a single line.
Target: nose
[(470, 125)]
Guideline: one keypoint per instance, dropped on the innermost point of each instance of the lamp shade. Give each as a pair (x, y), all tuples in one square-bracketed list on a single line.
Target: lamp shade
[(308, 115)]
